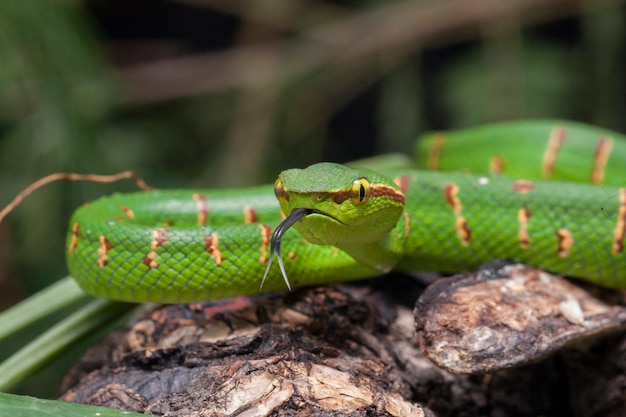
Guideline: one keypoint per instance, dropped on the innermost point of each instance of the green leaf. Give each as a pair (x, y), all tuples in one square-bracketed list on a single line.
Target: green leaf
[(22, 406), (39, 352)]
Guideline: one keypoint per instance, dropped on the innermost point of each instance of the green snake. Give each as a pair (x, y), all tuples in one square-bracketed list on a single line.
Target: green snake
[(337, 223)]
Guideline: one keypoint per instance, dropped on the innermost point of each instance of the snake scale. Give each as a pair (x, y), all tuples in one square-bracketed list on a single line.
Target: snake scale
[(546, 193)]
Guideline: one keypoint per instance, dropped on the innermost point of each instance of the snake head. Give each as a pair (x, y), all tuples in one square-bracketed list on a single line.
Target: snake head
[(331, 204), (346, 205)]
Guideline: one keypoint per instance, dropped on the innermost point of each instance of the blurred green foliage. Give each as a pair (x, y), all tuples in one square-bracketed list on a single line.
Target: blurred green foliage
[(216, 93)]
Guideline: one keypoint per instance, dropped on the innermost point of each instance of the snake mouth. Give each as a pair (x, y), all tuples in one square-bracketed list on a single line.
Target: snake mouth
[(296, 215), (301, 213)]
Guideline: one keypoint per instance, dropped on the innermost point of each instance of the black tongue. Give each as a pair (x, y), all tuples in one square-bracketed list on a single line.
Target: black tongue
[(295, 215)]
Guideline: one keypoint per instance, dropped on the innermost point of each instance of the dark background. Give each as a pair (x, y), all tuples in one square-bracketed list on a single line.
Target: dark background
[(219, 93)]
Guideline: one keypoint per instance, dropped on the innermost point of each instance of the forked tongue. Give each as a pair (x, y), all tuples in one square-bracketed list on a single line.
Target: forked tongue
[(295, 215)]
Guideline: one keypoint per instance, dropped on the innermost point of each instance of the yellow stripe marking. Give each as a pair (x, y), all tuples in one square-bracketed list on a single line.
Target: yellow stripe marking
[(565, 242), (496, 164), (150, 260), (620, 225), (386, 191), (523, 215), (104, 247), (212, 246), (249, 215), (434, 153), (557, 137), (523, 186), (463, 231), (452, 191), (376, 190), (202, 207), (128, 212), (403, 183), (601, 157), (407, 224), (159, 237), (266, 233), (74, 239)]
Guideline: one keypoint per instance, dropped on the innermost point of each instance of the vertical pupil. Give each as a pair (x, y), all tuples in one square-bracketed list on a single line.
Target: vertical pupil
[(361, 193)]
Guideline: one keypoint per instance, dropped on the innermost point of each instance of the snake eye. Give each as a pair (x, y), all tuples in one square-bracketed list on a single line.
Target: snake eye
[(360, 191), (279, 190)]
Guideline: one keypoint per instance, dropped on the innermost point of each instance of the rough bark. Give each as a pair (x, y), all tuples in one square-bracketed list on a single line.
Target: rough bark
[(352, 350)]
